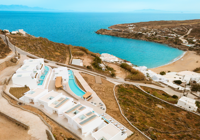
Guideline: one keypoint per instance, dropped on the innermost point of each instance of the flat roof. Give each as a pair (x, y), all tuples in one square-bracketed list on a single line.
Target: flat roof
[(75, 110), (34, 93), (107, 132), (50, 96), (27, 67), (61, 72), (84, 117), (18, 75), (60, 102), (34, 60), (76, 61)]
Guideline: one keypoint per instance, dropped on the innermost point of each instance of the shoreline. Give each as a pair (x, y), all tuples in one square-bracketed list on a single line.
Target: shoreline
[(173, 61), (187, 62)]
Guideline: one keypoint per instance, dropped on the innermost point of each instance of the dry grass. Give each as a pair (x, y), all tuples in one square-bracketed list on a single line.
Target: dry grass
[(18, 92), (59, 132), (4, 49), (155, 118), (42, 47), (105, 92), (160, 94)]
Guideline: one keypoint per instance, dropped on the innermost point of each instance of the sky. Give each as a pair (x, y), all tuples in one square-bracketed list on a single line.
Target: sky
[(110, 5)]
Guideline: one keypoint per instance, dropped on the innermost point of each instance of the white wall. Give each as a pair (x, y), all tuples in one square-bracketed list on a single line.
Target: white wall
[(22, 81)]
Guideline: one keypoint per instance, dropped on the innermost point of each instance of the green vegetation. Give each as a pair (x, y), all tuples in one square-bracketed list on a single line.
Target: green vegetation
[(197, 70), (161, 94), (195, 87), (198, 105), (162, 73), (18, 92), (178, 82), (96, 62), (155, 118), (135, 74)]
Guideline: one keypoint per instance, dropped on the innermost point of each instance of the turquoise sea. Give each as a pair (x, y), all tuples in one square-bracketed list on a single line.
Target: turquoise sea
[(79, 29)]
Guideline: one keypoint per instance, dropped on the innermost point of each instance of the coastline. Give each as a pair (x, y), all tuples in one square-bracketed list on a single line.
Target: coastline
[(188, 62), (174, 60)]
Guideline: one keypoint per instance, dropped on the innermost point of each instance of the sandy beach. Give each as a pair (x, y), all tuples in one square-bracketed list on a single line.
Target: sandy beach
[(189, 61)]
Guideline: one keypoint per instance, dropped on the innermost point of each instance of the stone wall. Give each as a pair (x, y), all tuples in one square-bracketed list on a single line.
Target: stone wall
[(26, 127)]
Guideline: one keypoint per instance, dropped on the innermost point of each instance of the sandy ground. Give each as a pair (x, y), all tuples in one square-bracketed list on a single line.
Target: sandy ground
[(189, 62), (87, 60), (105, 92), (10, 131), (120, 72)]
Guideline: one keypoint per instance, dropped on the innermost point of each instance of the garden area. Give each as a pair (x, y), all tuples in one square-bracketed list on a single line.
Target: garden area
[(155, 118), (18, 92)]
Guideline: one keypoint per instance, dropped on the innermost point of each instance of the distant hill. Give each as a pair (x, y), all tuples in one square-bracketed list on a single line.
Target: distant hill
[(21, 8), (154, 11)]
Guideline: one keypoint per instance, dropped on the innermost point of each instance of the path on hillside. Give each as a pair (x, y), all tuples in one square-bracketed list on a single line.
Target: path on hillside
[(185, 42)]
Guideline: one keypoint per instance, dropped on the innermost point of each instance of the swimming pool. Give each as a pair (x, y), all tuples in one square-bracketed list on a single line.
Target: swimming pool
[(42, 77), (73, 86)]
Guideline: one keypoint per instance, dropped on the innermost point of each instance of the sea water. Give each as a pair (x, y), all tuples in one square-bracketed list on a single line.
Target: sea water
[(79, 29)]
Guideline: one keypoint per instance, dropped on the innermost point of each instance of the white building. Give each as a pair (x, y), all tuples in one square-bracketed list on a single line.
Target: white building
[(60, 104), (83, 118), (109, 132), (39, 62), (30, 73), (28, 79), (187, 103), (22, 32), (77, 62), (109, 58), (33, 96), (61, 72), (46, 100), (33, 68), (14, 32)]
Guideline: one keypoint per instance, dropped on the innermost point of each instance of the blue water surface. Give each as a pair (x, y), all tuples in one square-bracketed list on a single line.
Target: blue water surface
[(73, 86), (79, 29)]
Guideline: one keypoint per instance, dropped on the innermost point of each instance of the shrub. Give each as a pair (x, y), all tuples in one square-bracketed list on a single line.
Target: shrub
[(195, 87), (89, 67), (175, 97), (162, 73), (113, 74), (178, 82), (109, 68), (96, 62), (197, 70), (129, 68), (84, 49)]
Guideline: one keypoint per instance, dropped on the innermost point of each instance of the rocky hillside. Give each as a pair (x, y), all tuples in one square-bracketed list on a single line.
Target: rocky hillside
[(179, 34), (42, 47), (4, 49)]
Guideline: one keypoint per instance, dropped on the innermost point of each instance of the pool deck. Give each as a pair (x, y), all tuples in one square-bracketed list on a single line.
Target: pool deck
[(95, 98)]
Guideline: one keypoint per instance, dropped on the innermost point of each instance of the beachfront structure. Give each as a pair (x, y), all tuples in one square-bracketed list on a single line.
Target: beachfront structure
[(61, 72), (29, 79), (14, 32), (32, 96), (187, 103), (83, 118), (77, 62), (109, 132), (189, 76), (109, 58)]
